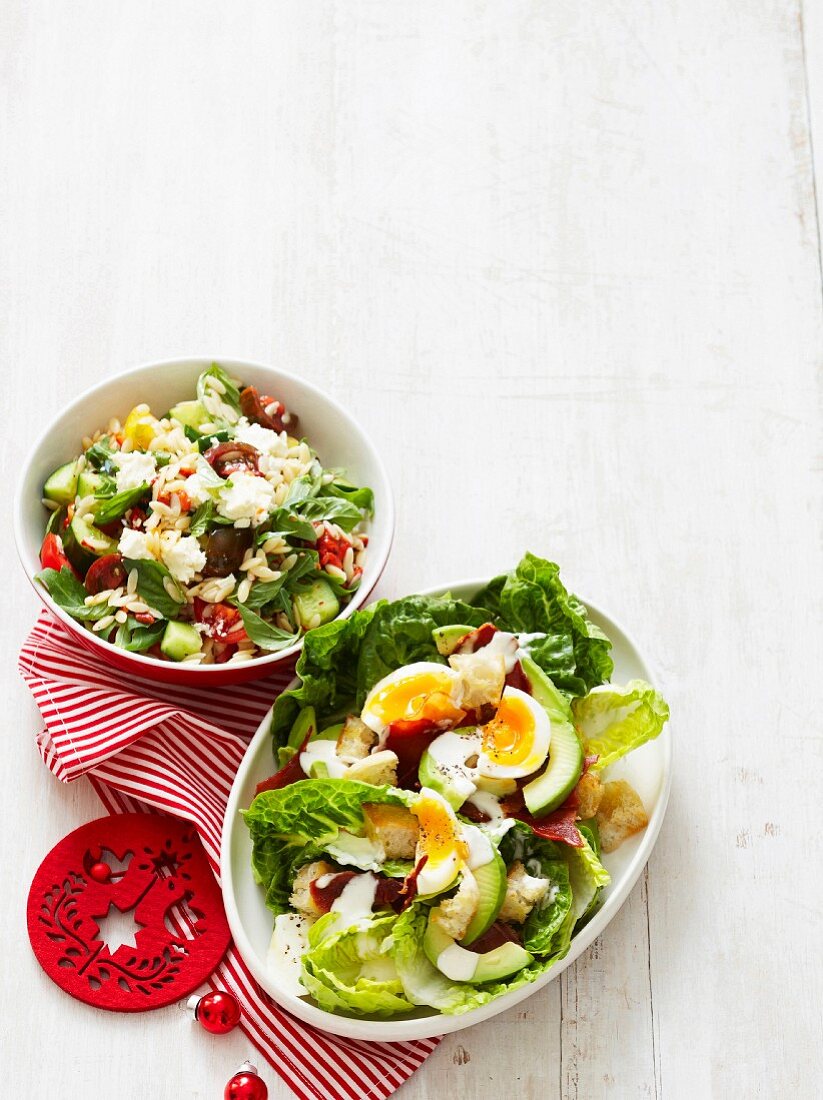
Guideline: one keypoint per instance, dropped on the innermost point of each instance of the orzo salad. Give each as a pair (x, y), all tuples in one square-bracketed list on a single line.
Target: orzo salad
[(209, 534)]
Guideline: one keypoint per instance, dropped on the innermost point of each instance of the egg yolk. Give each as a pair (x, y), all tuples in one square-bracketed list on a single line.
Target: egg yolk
[(509, 738), (437, 838), (426, 696)]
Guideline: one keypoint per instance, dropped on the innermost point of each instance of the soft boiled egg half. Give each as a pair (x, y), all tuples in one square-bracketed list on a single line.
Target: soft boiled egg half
[(516, 741), (440, 840), (424, 691)]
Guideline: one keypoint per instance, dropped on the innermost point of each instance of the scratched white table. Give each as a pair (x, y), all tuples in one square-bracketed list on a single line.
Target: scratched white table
[(563, 261)]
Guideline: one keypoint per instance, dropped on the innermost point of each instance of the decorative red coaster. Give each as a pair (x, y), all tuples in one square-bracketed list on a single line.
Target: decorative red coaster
[(151, 867)]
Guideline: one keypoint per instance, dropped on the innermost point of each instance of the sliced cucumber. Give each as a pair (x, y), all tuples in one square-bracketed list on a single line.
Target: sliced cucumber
[(61, 485), (190, 414), (315, 601), (180, 640), (89, 483), (83, 543)]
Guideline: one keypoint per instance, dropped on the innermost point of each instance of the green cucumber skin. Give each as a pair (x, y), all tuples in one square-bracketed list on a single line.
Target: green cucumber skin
[(61, 484)]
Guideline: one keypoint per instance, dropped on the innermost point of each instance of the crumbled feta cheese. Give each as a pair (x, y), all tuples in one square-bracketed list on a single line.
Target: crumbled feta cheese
[(134, 468), (262, 439), (197, 490), (134, 545), (184, 558), (246, 496)]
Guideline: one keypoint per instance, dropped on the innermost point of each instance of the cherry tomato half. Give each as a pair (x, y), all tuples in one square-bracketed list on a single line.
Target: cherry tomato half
[(52, 555), (224, 623)]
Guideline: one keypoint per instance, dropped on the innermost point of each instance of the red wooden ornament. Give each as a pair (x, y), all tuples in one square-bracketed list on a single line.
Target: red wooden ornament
[(216, 1011), (150, 866), (246, 1085)]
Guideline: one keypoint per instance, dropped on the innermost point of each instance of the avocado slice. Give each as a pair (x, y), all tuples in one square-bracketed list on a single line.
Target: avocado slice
[(331, 733), (83, 543), (498, 787), (305, 725), (467, 966), (491, 881), (191, 414), (447, 637), (61, 485), (180, 640), (315, 600), (444, 769), (560, 776)]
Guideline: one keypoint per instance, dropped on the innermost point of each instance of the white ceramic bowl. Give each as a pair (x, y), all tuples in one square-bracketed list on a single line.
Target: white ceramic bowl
[(648, 769), (337, 438)]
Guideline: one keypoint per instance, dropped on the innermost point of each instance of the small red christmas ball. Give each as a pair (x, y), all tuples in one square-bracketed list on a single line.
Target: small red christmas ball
[(217, 1012), (100, 872), (246, 1085)]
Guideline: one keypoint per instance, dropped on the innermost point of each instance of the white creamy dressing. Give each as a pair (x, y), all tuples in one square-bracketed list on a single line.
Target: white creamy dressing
[(355, 901), (506, 645), (288, 942), (356, 851), (525, 640), (326, 753), (457, 963), (488, 804), (450, 751), (480, 847)]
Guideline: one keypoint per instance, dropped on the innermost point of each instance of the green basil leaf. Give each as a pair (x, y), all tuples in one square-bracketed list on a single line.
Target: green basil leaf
[(232, 394), (137, 637), (151, 576), (264, 592), (98, 456), (361, 497), (201, 518), (342, 512), (70, 595), (113, 507), (263, 634)]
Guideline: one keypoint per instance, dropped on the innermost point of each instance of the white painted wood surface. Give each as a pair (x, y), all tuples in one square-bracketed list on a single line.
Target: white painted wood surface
[(563, 261)]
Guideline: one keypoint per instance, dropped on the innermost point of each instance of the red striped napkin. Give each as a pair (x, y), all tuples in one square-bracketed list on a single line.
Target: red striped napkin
[(176, 750)]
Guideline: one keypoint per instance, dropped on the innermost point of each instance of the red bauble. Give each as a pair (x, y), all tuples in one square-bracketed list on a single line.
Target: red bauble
[(246, 1085), (217, 1012), (100, 872)]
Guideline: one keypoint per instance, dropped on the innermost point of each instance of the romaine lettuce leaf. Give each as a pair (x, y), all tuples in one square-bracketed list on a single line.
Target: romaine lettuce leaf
[(547, 929), (587, 876), (328, 670), (290, 827), (352, 971), (613, 720), (342, 660), (532, 599), (400, 633)]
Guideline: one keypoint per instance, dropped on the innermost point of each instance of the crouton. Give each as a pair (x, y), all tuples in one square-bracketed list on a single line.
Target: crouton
[(620, 814), (589, 793), (482, 677), (377, 768), (356, 740), (454, 915), (394, 827), (523, 892), (301, 898)]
